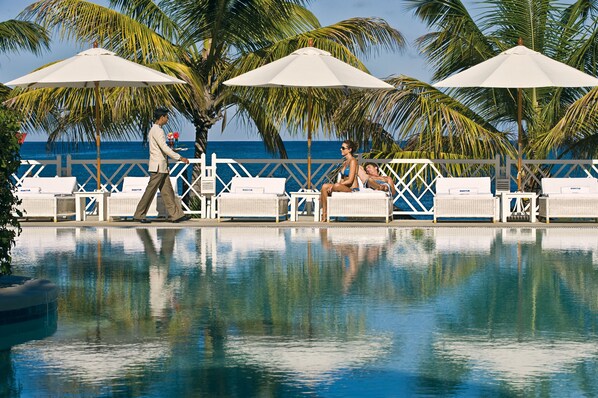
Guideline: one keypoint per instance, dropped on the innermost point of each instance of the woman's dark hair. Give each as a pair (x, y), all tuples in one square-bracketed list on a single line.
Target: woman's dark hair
[(352, 145)]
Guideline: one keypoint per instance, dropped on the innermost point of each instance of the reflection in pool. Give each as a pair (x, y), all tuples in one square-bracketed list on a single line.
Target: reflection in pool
[(336, 311)]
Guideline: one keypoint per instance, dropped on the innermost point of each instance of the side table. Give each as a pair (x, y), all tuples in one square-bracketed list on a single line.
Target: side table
[(505, 204), (312, 196), (100, 198)]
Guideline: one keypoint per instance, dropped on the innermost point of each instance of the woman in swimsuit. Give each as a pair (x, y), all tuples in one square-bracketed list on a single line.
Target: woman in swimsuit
[(348, 182)]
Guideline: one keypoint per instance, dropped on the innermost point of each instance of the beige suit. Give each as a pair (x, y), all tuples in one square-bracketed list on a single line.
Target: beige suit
[(159, 152)]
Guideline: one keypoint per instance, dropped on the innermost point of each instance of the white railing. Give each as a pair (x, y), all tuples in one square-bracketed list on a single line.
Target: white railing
[(414, 178)]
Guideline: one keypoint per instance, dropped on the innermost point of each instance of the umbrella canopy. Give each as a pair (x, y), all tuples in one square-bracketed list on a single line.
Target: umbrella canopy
[(520, 67), (308, 67), (94, 68)]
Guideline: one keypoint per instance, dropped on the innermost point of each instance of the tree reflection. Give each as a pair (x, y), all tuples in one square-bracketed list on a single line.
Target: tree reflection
[(206, 306)]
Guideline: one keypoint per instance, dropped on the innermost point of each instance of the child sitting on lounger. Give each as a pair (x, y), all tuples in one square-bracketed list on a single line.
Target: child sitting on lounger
[(376, 181)]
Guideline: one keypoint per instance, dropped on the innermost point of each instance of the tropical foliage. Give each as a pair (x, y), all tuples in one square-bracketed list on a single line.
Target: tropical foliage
[(9, 163), (477, 122), (203, 42), (14, 35)]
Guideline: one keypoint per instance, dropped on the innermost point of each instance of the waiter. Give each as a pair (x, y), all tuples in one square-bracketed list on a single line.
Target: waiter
[(159, 152)]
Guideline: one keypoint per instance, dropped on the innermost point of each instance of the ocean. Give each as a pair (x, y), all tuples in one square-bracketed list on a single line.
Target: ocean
[(223, 149)]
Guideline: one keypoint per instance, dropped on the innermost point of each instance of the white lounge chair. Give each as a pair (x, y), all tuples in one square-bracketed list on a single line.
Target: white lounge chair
[(365, 203), (569, 198), (48, 197), (254, 197), (123, 204), (465, 197)]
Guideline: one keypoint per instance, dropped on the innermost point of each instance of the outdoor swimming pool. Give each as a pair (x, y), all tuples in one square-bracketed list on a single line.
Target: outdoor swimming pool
[(332, 312)]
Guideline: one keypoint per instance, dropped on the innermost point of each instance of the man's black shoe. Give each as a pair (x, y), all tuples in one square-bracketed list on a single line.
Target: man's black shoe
[(184, 218), (143, 220)]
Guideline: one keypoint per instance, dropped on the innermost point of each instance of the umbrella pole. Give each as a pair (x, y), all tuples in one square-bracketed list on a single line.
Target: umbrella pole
[(97, 106), (519, 138), (309, 103)]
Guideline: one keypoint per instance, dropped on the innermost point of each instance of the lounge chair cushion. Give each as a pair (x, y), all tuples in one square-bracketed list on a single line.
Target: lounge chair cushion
[(257, 185), (47, 197), (49, 185), (568, 197), (361, 194), (463, 191), (465, 197), (135, 185), (552, 186), (249, 190), (575, 190), (254, 197), (463, 186), (29, 190)]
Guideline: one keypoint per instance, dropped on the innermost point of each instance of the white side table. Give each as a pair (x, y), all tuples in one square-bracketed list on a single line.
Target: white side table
[(505, 204), (308, 196), (100, 199)]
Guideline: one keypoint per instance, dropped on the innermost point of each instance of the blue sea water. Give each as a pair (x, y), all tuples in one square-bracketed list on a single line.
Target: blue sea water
[(223, 149)]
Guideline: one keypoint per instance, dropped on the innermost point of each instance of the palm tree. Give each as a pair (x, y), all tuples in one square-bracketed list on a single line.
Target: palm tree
[(476, 122), (203, 42)]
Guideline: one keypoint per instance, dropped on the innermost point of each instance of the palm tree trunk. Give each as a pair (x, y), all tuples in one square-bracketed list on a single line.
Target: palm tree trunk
[(201, 137)]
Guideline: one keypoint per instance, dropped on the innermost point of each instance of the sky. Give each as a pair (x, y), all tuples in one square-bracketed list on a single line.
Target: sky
[(408, 62)]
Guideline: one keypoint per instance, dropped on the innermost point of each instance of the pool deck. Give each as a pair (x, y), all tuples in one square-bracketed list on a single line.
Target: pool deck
[(304, 222)]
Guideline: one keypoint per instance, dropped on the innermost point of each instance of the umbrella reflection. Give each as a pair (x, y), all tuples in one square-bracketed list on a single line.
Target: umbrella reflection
[(97, 363), (518, 362), (309, 361)]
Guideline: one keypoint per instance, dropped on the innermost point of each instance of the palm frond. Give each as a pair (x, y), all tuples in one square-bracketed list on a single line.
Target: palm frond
[(342, 40), (150, 14), (70, 113), (87, 22), (22, 35), (575, 132), (456, 41), (243, 24), (428, 120)]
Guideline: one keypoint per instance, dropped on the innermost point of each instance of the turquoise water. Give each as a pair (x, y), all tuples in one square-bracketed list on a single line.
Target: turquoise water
[(331, 312)]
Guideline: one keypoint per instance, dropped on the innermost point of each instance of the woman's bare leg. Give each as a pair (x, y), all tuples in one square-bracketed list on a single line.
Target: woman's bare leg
[(324, 193)]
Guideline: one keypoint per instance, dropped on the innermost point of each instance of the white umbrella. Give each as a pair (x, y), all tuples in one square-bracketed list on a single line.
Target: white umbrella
[(311, 68), (520, 67), (94, 68)]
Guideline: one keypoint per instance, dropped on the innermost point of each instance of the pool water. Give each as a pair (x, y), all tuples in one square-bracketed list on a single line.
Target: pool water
[(331, 312)]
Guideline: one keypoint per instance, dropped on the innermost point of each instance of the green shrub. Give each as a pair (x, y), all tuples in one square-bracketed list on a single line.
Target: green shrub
[(10, 158)]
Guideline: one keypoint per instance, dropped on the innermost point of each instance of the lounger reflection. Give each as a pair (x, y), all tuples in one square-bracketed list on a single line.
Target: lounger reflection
[(40, 242), (571, 240), (240, 241), (464, 240)]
